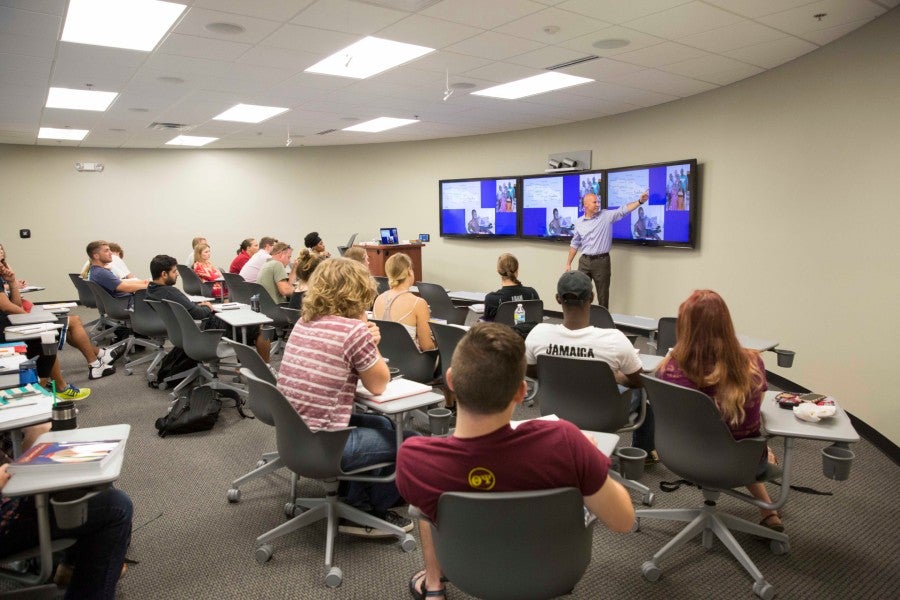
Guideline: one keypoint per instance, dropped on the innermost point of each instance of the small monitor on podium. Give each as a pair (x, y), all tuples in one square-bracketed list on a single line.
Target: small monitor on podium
[(389, 235)]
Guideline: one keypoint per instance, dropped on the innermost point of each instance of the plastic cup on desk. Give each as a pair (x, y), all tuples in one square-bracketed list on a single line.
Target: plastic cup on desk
[(631, 462), (836, 461), (439, 421)]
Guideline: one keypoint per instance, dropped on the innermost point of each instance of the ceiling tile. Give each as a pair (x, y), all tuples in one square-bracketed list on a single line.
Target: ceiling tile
[(348, 17), (545, 57), (274, 10), (618, 93), (494, 46), (568, 25), (636, 39), (76, 53), (661, 82), (619, 11), (27, 45), (198, 47), (501, 72), (309, 39), (684, 20), (26, 22), (715, 69), (758, 8), (441, 61), (49, 7), (826, 36), (279, 58), (255, 30), (27, 64), (425, 31), (800, 20), (479, 13), (603, 69), (660, 54), (772, 54), (743, 33), (183, 66)]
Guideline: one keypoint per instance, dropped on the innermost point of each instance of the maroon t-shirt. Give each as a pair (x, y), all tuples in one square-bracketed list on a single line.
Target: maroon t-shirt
[(537, 455)]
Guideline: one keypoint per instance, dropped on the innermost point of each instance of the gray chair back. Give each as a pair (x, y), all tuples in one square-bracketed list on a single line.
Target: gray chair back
[(600, 317), (296, 301), (85, 295), (108, 305), (281, 318), (665, 334), (513, 545), (145, 320), (236, 292), (173, 329), (695, 443), (200, 345), (582, 391), (446, 337), (534, 312), (190, 281), (381, 283), (312, 455), (252, 361), (440, 304), (397, 345)]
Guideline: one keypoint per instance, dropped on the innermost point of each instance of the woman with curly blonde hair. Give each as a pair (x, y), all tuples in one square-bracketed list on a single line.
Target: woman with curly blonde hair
[(332, 347)]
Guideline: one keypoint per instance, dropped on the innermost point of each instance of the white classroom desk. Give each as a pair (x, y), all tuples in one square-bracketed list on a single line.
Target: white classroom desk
[(41, 484), (13, 419), (38, 314), (396, 409), (645, 324), (477, 297), (241, 318)]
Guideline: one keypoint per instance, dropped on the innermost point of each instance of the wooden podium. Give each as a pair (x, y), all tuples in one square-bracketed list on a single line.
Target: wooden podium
[(379, 253)]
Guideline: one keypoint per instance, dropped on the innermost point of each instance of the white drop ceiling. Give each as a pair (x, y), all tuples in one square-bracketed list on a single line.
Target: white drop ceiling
[(676, 48)]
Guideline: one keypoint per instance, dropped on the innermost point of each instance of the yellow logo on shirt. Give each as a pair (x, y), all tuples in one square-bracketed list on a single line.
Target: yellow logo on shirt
[(481, 479)]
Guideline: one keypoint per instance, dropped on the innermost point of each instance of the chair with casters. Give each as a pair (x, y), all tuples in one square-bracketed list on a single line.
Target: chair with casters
[(397, 346), (206, 347), (694, 443), (446, 337), (665, 335), (476, 532), (534, 312), (585, 392), (116, 312), (146, 322), (269, 462), (381, 283), (235, 284), (192, 284), (441, 306), (600, 317), (173, 330), (296, 301), (283, 317), (317, 456), (99, 328)]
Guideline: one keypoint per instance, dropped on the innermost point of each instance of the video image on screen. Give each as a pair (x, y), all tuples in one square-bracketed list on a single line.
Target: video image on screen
[(551, 204), (479, 207), (666, 218)]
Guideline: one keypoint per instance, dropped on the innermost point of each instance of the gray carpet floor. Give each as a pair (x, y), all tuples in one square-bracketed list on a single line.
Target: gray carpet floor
[(191, 543)]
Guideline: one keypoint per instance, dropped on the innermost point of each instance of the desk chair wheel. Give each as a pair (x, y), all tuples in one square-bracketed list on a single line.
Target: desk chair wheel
[(779, 548), (408, 543), (636, 526), (264, 553), (763, 589), (648, 499), (233, 495), (291, 510), (261, 463), (650, 571), (129, 371), (162, 385), (334, 577)]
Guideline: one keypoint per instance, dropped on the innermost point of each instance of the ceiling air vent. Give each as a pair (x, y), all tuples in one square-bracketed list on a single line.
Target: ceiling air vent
[(169, 126), (326, 131)]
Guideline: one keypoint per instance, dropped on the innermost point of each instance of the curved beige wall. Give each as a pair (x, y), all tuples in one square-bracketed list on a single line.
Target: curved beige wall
[(799, 221)]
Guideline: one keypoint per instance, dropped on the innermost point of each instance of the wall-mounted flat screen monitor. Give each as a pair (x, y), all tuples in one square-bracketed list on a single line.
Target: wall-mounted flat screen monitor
[(552, 203), (669, 218), (479, 208)]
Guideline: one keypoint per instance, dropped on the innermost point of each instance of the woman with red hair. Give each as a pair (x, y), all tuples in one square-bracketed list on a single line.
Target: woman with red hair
[(708, 357)]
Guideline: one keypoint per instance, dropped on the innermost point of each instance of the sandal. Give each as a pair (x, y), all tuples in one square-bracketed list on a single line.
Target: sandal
[(776, 527), (418, 592)]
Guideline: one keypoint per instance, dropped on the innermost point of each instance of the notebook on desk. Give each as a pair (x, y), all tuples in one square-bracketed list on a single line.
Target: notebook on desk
[(396, 389)]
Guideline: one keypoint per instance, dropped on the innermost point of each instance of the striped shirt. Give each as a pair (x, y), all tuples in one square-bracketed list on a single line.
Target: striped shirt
[(594, 236), (320, 369)]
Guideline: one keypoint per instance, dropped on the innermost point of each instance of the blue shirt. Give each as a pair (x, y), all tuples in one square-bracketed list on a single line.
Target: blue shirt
[(107, 280), (594, 236)]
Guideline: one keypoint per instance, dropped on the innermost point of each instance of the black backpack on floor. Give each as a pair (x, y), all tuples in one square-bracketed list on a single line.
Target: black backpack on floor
[(175, 362), (196, 411)]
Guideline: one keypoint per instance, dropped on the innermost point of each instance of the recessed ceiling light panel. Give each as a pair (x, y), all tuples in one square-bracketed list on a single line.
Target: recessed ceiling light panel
[(368, 57), (531, 86), (49, 133), (190, 140), (79, 99), (133, 25), (249, 113), (380, 124)]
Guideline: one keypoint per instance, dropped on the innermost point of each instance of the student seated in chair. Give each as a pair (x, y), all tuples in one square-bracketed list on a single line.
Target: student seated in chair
[(486, 398), (164, 270), (708, 357), (100, 255)]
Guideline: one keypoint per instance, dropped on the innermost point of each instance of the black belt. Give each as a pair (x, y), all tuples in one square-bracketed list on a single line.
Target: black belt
[(596, 255)]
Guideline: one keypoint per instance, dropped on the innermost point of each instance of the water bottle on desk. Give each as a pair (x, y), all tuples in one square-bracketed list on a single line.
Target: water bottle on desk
[(519, 314), (254, 302)]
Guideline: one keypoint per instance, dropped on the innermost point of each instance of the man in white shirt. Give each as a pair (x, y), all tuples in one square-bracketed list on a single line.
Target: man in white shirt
[(250, 270)]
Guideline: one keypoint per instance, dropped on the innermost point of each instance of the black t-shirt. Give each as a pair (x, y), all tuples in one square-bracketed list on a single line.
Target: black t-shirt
[(507, 293)]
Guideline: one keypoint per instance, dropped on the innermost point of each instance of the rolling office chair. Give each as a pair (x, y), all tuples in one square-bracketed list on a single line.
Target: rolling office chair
[(695, 444), (173, 329), (236, 292), (440, 304), (146, 322), (534, 312), (192, 284), (513, 545), (316, 456), (585, 392), (446, 337), (206, 347), (600, 317), (397, 346), (342, 249), (99, 328), (116, 312), (283, 318), (665, 335)]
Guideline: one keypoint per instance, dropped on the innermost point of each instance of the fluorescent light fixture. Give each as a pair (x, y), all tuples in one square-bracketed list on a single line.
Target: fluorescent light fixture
[(367, 57), (190, 140), (132, 24), (79, 99), (249, 113), (49, 133), (531, 86), (380, 124)]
